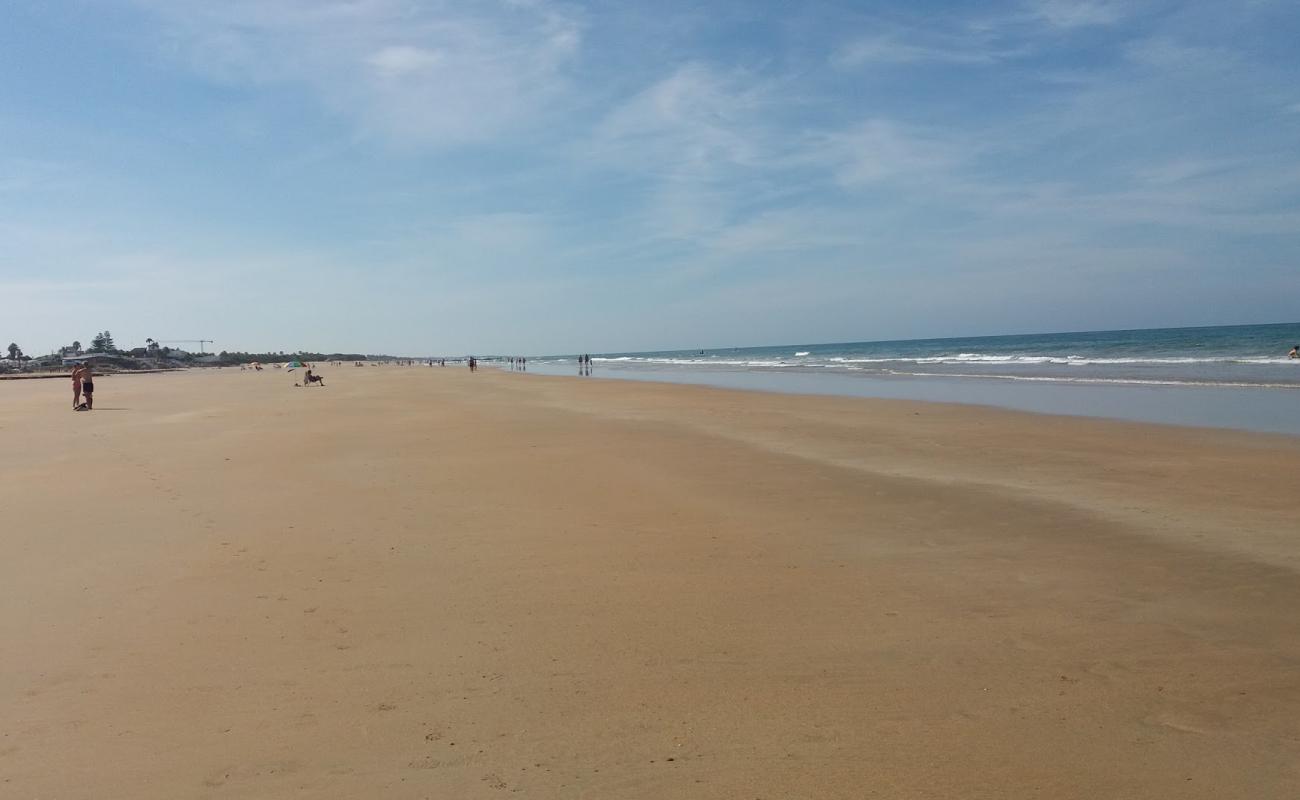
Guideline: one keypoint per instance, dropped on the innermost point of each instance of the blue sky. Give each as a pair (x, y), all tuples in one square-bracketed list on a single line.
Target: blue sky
[(535, 177)]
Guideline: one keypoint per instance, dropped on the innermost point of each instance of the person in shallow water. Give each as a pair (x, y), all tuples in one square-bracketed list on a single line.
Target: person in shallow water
[(1295, 352)]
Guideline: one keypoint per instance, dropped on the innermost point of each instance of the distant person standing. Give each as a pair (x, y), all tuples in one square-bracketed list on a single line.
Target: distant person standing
[(87, 387), (76, 386)]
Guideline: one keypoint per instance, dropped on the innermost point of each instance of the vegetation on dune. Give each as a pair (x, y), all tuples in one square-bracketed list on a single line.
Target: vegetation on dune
[(302, 355)]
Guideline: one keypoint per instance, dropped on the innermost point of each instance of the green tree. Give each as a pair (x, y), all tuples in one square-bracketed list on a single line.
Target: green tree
[(15, 352), (108, 342), (76, 347), (99, 343)]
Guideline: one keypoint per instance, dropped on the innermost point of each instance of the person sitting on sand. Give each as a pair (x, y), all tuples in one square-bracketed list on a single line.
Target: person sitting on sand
[(1295, 352), (309, 379)]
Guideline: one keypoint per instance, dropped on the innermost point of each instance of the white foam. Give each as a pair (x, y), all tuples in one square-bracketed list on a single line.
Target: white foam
[(1123, 381)]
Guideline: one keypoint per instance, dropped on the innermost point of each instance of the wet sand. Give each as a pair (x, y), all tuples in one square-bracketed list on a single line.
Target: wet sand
[(422, 583)]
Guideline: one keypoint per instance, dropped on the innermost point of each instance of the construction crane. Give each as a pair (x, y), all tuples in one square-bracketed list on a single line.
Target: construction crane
[(199, 342)]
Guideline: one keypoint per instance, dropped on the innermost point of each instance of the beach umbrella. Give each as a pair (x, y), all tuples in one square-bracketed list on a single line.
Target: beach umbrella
[(293, 364)]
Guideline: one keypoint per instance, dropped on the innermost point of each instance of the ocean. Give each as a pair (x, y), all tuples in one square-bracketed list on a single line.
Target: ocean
[(1236, 376)]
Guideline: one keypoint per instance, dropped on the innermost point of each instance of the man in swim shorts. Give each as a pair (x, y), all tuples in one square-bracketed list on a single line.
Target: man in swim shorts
[(88, 386)]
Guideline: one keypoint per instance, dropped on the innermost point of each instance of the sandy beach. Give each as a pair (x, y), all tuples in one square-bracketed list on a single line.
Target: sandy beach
[(422, 583)]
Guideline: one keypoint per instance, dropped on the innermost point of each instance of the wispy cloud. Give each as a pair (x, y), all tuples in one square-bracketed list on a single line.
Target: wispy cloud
[(417, 74), (693, 120), (985, 39), (895, 50), (879, 150), (1184, 169), (1079, 13)]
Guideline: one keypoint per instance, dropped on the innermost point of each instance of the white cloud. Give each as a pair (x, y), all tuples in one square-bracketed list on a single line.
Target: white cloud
[(889, 50), (1183, 169), (799, 230), (980, 40), (965, 44), (881, 149), (1077, 13), (1172, 56), (417, 74), (693, 120), (398, 60)]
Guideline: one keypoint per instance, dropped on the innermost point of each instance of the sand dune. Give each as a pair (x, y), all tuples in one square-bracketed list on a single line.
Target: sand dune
[(424, 583)]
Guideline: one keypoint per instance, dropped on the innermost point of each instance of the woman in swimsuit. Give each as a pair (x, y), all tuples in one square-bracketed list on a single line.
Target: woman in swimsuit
[(76, 386)]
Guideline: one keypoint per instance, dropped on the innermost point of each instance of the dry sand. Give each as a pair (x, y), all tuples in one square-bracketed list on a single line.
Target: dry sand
[(421, 583)]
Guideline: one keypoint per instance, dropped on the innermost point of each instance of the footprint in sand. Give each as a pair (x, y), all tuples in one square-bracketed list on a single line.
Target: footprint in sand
[(1183, 723)]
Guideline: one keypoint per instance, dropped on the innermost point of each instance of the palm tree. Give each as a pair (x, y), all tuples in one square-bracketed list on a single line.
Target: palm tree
[(76, 348), (15, 352)]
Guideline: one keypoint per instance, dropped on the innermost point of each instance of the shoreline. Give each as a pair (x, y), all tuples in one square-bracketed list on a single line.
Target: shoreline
[(424, 582), (1258, 409)]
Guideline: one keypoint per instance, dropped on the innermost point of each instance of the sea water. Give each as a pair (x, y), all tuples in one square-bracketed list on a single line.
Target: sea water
[(1229, 376)]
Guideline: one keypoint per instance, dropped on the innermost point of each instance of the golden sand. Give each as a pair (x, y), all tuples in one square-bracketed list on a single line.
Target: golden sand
[(421, 583)]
